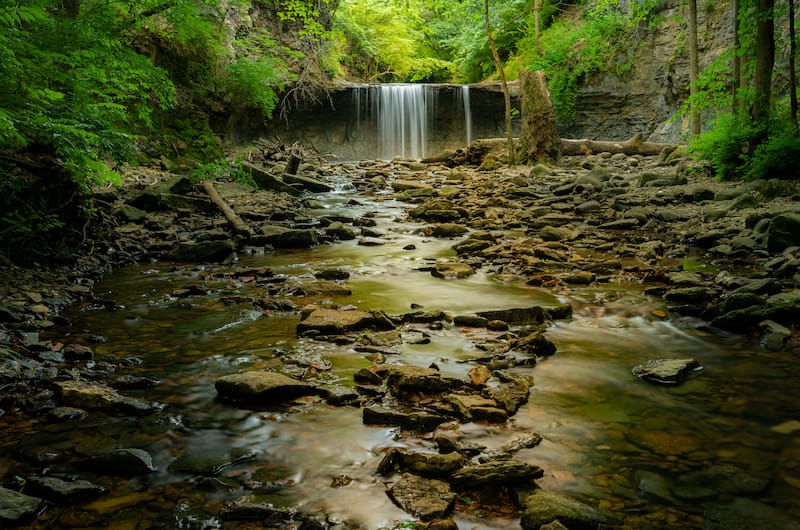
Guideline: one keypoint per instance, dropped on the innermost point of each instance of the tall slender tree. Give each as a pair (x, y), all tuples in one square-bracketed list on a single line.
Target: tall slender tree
[(736, 82), (512, 156), (792, 67), (765, 59), (694, 69)]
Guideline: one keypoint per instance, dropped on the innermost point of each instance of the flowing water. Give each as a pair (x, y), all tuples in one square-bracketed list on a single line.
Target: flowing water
[(609, 439)]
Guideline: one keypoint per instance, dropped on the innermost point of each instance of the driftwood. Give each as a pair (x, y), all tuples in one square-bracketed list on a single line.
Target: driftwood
[(632, 146), (239, 226)]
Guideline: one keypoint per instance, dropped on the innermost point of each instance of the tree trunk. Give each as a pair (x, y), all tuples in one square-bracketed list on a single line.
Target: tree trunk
[(737, 60), (537, 7), (792, 68), (539, 141), (512, 157), (765, 60), (694, 70), (633, 146), (72, 8), (239, 226)]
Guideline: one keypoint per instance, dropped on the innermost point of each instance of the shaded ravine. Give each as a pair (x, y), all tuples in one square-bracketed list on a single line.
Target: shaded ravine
[(610, 439)]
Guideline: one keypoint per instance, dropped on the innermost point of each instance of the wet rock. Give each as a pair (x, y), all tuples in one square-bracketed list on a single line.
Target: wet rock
[(470, 321), (201, 251), (518, 316), (424, 464), (85, 395), (558, 233), (332, 274), (495, 473), (715, 480), (452, 270), (774, 335), (445, 230), (127, 462), (311, 184), (543, 507), (783, 232), (690, 295), (253, 508), (77, 352), (578, 277), (479, 375), (261, 388), (129, 382), (535, 344), (760, 286), (328, 321), (449, 444), (339, 395), (16, 507), (509, 392), (424, 498), (407, 185), (341, 231), (62, 491), (666, 371), (782, 308), (414, 421), (370, 242), (282, 237), (471, 407), (405, 379), (67, 414), (442, 524), (471, 246)]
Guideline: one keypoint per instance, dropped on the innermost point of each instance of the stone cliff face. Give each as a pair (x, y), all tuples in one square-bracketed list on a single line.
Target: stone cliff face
[(646, 100)]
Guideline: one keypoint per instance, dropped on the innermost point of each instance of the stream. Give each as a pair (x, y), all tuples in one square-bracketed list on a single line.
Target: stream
[(609, 439)]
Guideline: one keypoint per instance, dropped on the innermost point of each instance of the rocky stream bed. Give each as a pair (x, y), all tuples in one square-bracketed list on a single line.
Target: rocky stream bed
[(717, 259)]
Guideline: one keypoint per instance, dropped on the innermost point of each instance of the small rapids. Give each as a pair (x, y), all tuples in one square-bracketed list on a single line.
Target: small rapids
[(609, 439)]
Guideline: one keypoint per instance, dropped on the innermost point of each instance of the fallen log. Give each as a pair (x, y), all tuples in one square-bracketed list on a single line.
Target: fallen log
[(239, 226), (632, 146)]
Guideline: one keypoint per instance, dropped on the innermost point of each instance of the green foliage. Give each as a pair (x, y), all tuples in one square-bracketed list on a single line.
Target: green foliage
[(737, 147), (572, 53), (223, 169)]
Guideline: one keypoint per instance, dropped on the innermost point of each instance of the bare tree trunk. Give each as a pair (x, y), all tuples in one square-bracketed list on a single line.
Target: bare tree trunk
[(512, 157), (737, 60), (765, 59), (694, 70), (792, 67), (537, 7), (239, 226), (539, 141), (633, 146)]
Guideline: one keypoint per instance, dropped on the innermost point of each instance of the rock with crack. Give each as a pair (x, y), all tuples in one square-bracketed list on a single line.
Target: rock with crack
[(424, 464), (415, 420), (495, 473), (424, 498)]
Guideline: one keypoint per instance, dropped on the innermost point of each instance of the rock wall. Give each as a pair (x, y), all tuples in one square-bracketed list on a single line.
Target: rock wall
[(646, 100)]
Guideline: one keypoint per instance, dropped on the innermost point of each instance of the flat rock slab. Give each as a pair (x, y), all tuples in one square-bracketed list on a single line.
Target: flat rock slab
[(452, 270), (59, 490), (424, 498), (413, 421), (543, 507), (328, 321), (85, 395), (666, 371), (15, 506), (495, 473), (424, 464), (262, 388), (127, 462)]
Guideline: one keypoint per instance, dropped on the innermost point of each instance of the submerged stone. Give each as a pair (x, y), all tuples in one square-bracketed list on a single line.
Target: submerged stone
[(128, 462), (60, 490), (543, 507), (327, 321), (16, 507)]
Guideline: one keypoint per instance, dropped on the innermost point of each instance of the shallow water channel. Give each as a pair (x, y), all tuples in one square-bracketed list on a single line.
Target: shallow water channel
[(610, 440)]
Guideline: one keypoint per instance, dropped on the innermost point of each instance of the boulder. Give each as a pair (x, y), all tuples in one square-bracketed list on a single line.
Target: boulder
[(201, 251), (543, 507), (470, 407), (261, 388), (783, 232), (535, 344), (282, 237), (452, 270), (424, 498), (495, 473), (666, 371), (424, 464), (446, 230), (16, 507), (341, 231), (509, 392), (402, 379)]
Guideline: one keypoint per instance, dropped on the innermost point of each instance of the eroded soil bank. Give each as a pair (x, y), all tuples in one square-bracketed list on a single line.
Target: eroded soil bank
[(710, 258)]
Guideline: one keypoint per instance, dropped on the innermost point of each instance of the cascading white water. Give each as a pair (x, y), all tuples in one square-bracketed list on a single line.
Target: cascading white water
[(403, 126), (403, 119), (467, 112)]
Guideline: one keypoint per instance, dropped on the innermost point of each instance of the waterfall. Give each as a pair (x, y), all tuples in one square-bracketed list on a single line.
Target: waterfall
[(467, 112), (403, 119)]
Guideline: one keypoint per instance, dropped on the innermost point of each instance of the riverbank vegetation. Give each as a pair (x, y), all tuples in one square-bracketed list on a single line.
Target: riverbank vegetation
[(87, 85)]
